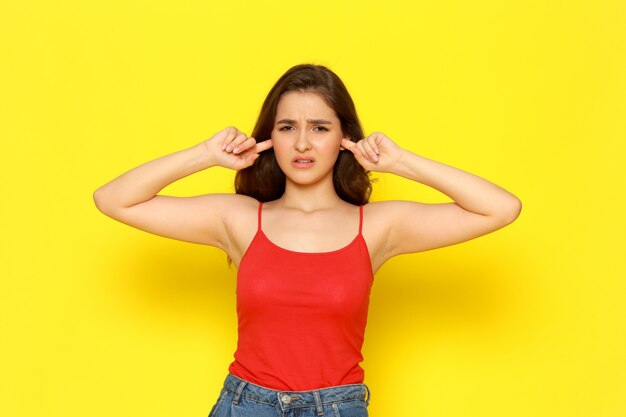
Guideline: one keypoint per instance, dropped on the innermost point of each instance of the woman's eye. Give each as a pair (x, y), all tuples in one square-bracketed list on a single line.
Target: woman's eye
[(289, 127)]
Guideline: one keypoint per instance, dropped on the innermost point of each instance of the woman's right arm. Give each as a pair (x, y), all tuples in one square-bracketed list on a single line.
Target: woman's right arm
[(132, 197)]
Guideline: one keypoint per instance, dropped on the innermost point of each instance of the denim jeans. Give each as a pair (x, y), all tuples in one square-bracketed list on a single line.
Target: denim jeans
[(240, 398)]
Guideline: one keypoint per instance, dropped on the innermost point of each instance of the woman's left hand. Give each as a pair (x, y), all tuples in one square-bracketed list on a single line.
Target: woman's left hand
[(375, 153)]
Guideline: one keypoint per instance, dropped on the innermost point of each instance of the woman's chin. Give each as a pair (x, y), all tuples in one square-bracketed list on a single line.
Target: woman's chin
[(307, 178)]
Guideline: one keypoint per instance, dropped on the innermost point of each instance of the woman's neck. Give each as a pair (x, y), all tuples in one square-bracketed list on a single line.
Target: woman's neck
[(310, 197)]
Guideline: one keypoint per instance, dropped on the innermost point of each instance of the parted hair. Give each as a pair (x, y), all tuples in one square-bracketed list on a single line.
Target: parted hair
[(264, 180)]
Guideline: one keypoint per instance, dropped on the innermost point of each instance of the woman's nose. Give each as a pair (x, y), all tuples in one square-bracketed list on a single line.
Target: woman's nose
[(303, 143)]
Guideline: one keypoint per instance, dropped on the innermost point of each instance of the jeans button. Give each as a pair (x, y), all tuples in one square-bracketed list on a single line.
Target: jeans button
[(286, 398)]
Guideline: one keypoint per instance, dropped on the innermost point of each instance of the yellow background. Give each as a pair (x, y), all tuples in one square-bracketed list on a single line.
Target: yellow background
[(100, 319)]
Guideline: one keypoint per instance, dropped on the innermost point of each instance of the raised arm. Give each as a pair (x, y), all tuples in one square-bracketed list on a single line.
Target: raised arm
[(479, 206), (132, 197)]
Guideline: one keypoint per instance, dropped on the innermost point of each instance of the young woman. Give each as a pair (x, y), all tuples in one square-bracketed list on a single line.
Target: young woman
[(304, 238)]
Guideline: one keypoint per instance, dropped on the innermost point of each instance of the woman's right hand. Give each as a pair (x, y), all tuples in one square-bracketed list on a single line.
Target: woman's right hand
[(231, 148)]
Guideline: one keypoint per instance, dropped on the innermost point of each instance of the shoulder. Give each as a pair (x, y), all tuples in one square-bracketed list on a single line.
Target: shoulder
[(382, 216), (383, 223), (376, 227), (394, 207), (228, 209), (242, 201), (396, 216), (415, 227), (385, 211), (223, 205), (238, 205), (239, 216)]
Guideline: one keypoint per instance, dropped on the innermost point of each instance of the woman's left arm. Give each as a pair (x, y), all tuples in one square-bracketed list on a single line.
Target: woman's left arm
[(479, 206)]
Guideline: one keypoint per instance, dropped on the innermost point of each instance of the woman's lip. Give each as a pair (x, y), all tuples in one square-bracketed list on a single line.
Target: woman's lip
[(302, 164)]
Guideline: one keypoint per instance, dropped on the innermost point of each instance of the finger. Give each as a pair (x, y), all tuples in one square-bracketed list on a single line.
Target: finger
[(374, 142), (360, 156), (240, 138), (233, 141), (263, 146), (257, 149), (347, 144), (246, 144), (367, 150), (251, 158), (231, 133), (244, 161)]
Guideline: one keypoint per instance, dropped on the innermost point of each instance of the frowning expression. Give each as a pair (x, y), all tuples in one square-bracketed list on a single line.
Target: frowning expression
[(306, 137)]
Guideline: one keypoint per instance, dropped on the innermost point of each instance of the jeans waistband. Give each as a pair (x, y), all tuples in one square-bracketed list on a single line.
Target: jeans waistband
[(295, 399)]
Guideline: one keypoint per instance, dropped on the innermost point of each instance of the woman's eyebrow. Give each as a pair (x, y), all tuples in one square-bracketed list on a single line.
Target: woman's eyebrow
[(311, 121)]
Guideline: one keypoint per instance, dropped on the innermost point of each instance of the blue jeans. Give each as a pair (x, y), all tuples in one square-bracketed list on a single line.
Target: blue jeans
[(240, 398)]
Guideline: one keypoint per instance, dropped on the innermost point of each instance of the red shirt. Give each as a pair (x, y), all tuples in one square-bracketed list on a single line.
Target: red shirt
[(301, 315)]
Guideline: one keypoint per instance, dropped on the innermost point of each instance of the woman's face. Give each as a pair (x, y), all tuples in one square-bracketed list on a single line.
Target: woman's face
[(306, 137)]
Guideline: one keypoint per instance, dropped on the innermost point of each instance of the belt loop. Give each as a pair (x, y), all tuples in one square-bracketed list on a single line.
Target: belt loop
[(318, 403), (369, 394), (240, 388)]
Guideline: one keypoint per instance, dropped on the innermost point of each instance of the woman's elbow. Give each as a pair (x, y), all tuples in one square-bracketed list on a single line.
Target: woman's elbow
[(101, 201), (512, 211)]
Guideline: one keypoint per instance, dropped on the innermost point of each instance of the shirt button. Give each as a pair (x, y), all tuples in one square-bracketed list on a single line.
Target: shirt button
[(286, 399)]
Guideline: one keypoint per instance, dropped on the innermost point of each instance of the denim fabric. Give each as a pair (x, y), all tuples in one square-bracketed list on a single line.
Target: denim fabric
[(240, 398)]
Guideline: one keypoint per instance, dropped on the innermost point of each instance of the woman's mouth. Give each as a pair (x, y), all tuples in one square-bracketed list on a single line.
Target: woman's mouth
[(302, 162)]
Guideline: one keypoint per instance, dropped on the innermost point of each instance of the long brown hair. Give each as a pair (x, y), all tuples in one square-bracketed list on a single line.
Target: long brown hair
[(264, 180)]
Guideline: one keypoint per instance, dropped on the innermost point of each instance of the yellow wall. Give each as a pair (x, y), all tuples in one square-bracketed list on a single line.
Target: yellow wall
[(99, 319)]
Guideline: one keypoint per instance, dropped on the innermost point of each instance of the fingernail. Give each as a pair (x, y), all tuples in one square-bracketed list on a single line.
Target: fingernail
[(236, 150)]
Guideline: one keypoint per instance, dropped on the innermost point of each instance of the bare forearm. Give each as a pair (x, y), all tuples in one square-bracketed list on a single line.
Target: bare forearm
[(145, 181), (469, 191)]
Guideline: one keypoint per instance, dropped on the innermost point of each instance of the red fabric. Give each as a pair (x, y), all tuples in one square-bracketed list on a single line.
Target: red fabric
[(302, 316)]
